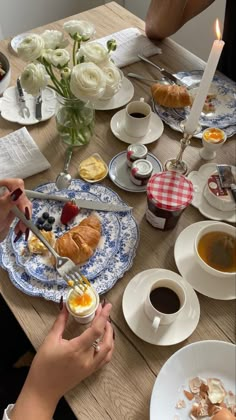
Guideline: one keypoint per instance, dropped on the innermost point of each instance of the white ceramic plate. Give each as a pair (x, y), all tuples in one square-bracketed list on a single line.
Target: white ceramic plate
[(199, 179), (133, 302), (121, 98), (202, 281), (119, 172), (10, 111), (17, 40), (206, 359), (155, 129)]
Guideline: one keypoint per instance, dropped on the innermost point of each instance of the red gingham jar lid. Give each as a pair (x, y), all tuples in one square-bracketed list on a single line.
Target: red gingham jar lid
[(170, 191)]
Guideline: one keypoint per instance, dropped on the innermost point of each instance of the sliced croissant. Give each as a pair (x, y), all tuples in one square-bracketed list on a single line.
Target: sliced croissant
[(79, 243), (171, 96)]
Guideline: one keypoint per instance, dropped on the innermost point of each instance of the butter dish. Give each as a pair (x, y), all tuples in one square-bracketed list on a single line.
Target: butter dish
[(93, 169)]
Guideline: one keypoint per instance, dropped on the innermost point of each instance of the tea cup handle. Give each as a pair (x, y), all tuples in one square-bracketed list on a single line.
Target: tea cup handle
[(156, 322)]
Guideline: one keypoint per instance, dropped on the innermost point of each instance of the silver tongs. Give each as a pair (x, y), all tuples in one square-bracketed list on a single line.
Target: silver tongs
[(166, 74)]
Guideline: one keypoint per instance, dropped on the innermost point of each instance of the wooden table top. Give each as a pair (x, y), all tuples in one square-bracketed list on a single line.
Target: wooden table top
[(122, 390)]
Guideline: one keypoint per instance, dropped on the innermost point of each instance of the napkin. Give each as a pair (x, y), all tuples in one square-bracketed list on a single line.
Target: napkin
[(20, 157), (130, 43)]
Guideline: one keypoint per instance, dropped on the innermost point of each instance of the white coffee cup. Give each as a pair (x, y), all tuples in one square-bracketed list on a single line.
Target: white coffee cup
[(175, 295), (137, 118), (82, 318)]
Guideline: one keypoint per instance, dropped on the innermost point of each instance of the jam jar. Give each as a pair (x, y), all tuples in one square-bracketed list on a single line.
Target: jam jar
[(136, 151), (141, 172), (168, 194)]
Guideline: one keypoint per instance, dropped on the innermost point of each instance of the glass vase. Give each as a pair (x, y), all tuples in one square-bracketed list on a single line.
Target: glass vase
[(75, 121)]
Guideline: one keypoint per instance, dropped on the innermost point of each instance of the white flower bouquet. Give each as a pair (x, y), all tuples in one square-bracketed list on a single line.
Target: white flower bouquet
[(79, 78)]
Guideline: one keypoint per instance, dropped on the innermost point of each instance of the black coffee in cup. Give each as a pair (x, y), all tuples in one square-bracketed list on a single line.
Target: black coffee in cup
[(137, 115), (165, 300)]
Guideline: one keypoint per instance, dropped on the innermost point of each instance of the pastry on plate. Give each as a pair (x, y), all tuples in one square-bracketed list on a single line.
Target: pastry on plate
[(171, 96)]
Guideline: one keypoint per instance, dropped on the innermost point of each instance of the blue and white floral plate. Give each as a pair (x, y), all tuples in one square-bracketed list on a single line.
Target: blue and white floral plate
[(225, 103), (35, 274)]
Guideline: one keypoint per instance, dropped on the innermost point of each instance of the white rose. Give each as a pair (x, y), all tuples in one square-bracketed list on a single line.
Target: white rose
[(59, 58), (95, 52), (87, 82), (31, 47), (114, 77), (34, 78), (54, 39), (82, 27)]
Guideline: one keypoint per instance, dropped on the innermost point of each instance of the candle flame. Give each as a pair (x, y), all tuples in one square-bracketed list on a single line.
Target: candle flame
[(217, 29)]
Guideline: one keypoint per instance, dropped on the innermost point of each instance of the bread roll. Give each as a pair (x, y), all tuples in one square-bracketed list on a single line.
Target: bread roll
[(171, 96), (79, 243)]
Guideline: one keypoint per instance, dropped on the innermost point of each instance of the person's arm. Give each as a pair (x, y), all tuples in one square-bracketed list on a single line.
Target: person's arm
[(61, 364), (165, 17)]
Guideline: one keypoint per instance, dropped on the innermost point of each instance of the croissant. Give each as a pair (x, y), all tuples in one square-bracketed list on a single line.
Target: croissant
[(172, 96), (79, 243)]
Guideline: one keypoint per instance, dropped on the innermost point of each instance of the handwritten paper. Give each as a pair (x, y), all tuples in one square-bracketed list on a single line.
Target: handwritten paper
[(130, 43), (20, 157)]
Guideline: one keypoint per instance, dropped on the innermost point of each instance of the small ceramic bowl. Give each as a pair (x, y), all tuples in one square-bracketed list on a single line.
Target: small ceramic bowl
[(4, 83), (216, 227)]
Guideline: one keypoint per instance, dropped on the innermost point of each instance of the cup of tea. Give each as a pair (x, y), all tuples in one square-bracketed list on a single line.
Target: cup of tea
[(215, 249), (137, 118), (82, 306), (164, 302)]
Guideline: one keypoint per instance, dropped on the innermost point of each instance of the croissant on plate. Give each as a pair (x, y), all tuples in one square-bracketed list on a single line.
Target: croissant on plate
[(172, 96), (80, 242)]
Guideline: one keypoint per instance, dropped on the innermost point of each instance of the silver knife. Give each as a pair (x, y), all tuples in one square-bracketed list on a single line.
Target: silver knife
[(38, 107), (164, 72), (84, 204), (25, 112)]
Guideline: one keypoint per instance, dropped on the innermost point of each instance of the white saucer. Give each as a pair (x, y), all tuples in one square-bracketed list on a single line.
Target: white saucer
[(199, 179), (17, 40), (121, 98), (166, 335), (155, 130), (10, 111), (119, 172), (193, 273)]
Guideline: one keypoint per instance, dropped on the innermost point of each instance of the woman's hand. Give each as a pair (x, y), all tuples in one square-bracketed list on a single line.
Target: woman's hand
[(13, 197), (61, 364)]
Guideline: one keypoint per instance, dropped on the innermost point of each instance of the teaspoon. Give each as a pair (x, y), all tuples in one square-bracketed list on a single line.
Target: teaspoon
[(64, 179)]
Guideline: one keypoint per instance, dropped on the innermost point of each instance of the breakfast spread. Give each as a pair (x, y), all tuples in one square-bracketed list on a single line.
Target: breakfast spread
[(209, 400), (172, 96), (93, 168), (80, 242)]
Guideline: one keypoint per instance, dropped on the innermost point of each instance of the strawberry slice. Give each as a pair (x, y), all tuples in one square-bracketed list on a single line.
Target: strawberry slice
[(69, 211)]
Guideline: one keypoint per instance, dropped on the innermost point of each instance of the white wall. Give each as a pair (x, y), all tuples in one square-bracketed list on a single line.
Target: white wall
[(196, 35)]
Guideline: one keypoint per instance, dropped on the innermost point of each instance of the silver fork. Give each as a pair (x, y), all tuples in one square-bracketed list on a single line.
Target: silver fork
[(64, 266), (24, 110)]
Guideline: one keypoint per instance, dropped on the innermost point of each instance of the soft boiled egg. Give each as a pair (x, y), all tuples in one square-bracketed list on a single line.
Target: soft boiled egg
[(223, 414)]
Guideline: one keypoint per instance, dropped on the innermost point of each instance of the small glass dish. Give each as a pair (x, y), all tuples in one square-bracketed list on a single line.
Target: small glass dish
[(97, 158)]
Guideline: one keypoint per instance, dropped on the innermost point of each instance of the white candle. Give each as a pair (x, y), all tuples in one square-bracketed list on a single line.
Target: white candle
[(192, 121)]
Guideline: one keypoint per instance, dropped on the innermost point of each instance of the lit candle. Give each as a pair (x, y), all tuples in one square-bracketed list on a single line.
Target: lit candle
[(218, 44)]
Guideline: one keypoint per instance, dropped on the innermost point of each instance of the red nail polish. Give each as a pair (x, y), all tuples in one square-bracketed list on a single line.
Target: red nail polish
[(18, 236), (103, 303), (27, 234), (16, 194), (27, 213), (61, 303), (114, 335)]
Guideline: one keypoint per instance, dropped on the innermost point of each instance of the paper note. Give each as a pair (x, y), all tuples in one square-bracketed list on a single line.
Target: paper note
[(130, 43), (20, 157)]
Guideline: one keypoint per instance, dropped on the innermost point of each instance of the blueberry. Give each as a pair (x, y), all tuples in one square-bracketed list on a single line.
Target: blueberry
[(47, 227), (40, 221), (51, 219), (45, 215), (39, 226)]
